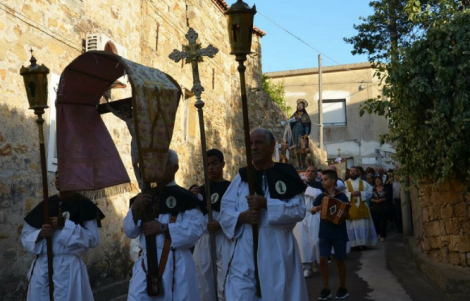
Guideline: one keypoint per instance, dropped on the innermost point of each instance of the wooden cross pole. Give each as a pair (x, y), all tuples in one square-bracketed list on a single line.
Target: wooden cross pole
[(193, 53)]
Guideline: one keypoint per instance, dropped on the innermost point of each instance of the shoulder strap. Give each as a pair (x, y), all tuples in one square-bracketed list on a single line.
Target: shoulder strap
[(166, 249)]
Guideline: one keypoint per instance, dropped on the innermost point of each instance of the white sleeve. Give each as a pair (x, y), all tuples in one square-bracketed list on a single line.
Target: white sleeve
[(130, 228), (79, 237), (187, 229), (29, 235), (286, 212), (312, 192), (229, 211)]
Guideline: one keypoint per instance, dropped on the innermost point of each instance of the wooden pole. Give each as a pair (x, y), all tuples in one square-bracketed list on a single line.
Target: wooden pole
[(249, 161), (45, 192), (194, 54), (199, 104)]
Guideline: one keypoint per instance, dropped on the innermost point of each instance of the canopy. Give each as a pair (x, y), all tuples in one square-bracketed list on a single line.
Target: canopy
[(87, 156)]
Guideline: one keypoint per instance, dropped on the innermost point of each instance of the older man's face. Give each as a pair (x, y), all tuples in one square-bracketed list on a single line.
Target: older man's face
[(311, 173), (169, 173), (261, 149)]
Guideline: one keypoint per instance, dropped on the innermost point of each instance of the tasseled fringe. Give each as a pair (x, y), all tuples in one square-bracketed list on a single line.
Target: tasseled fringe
[(109, 191)]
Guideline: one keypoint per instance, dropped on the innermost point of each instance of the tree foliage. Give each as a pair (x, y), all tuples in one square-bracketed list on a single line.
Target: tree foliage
[(276, 92), (375, 34), (427, 82), (430, 105)]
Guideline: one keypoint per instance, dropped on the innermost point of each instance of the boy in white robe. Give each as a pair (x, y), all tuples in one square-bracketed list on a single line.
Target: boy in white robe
[(70, 242), (202, 253)]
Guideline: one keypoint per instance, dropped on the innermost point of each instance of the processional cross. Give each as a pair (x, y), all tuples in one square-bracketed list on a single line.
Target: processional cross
[(193, 53)]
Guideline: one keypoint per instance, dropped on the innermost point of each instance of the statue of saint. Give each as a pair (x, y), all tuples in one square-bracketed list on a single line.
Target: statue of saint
[(301, 126)]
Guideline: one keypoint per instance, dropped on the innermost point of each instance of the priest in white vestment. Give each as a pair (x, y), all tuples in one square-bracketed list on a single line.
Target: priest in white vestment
[(360, 226)]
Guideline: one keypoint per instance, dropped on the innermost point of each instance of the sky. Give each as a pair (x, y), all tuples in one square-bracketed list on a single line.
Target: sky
[(320, 24)]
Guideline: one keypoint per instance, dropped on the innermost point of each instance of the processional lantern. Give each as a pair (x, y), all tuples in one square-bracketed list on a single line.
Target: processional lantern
[(35, 82), (240, 27), (240, 31)]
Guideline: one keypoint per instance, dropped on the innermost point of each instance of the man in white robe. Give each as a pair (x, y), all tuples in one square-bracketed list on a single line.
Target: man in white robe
[(279, 264), (179, 279), (69, 244), (306, 233)]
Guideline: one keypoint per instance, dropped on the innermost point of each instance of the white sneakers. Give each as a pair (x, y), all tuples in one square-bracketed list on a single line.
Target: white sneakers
[(308, 270)]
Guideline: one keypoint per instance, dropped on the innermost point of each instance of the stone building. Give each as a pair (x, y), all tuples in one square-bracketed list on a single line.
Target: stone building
[(145, 32), (344, 89)]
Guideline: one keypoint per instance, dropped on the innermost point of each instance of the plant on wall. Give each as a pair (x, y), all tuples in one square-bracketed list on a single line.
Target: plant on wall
[(276, 93)]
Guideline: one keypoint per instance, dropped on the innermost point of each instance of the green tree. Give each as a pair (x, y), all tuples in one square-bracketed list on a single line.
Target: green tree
[(430, 106), (276, 93), (426, 77)]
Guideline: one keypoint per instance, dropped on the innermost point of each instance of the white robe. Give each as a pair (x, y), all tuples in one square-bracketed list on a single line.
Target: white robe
[(202, 257), (184, 233), (70, 276), (306, 231), (280, 268)]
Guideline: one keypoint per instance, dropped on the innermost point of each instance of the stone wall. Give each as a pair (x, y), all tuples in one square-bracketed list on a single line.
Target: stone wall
[(441, 220), (149, 31)]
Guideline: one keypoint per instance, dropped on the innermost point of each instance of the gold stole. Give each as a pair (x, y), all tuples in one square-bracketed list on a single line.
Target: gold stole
[(361, 211)]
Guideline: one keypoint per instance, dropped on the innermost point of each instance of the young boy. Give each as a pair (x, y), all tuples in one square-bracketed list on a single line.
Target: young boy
[(332, 235), (218, 186)]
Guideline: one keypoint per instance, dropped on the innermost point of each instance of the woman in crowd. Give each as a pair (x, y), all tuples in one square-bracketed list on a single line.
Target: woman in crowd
[(381, 201)]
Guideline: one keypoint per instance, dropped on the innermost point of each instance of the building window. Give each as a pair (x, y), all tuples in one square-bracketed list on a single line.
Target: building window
[(334, 112)]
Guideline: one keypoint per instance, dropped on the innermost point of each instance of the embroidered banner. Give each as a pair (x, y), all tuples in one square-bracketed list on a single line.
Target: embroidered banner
[(87, 156)]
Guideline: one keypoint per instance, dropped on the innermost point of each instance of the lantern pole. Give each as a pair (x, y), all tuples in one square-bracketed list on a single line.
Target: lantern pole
[(35, 80), (240, 30)]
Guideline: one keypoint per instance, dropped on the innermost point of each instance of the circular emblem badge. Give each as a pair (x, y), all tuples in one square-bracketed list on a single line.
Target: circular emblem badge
[(214, 197), (171, 202), (281, 187)]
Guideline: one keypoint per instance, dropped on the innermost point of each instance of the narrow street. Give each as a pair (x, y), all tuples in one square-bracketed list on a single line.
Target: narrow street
[(384, 273)]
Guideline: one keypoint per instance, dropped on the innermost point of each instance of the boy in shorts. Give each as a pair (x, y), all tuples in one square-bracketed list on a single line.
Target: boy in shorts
[(332, 235)]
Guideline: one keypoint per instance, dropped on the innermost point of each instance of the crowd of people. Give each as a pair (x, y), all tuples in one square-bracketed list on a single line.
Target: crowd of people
[(268, 234)]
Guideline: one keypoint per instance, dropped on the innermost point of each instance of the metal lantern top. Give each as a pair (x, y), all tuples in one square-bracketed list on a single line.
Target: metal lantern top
[(240, 27), (35, 81)]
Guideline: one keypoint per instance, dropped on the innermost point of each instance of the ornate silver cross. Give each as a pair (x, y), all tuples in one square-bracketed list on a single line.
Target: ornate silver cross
[(193, 53)]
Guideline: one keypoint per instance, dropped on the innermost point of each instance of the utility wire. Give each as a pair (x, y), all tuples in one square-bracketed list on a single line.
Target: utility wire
[(16, 14), (308, 45)]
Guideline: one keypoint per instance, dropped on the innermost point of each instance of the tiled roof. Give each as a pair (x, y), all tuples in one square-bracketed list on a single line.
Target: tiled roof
[(223, 6)]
